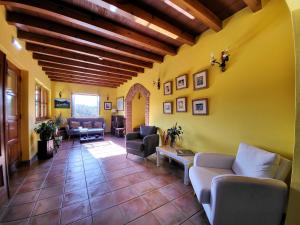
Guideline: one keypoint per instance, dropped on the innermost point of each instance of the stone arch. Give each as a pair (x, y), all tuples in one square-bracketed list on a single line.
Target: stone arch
[(136, 88)]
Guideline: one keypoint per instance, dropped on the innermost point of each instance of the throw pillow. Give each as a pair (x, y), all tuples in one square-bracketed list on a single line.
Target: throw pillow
[(255, 162), (74, 124), (98, 124), (87, 124)]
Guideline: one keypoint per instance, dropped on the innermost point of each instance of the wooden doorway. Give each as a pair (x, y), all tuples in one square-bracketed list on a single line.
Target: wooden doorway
[(12, 116), (3, 168)]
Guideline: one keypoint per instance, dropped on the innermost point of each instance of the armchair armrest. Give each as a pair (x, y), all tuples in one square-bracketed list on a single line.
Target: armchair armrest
[(132, 136), (213, 160), (247, 200), (151, 142)]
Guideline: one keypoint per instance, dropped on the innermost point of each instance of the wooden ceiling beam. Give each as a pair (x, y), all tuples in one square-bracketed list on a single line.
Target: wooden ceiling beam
[(41, 26), (57, 60), (81, 57), (83, 82), (76, 69), (200, 12), (84, 76), (68, 46), (80, 74), (254, 5), (134, 13), (91, 22)]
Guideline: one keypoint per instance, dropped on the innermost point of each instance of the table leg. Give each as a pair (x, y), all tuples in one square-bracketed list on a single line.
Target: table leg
[(186, 175), (157, 158)]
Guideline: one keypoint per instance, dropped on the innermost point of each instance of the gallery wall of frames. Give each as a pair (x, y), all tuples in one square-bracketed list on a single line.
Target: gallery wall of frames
[(199, 105)]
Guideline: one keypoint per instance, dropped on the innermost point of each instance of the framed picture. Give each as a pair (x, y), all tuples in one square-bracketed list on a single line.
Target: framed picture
[(200, 80), (181, 82), (181, 104), (168, 88), (168, 107), (200, 106), (62, 103), (107, 105), (120, 104)]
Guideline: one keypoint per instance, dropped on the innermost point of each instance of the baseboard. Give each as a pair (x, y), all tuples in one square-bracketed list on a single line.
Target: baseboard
[(30, 161)]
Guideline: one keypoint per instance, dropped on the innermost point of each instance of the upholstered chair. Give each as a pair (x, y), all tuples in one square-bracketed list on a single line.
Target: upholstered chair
[(142, 143)]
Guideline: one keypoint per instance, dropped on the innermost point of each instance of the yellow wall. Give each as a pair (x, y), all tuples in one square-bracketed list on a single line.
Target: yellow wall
[(138, 110), (67, 89), (31, 73), (253, 101)]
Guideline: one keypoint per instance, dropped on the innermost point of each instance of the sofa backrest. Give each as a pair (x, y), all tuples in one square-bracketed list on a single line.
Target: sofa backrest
[(82, 120), (147, 130), (255, 162)]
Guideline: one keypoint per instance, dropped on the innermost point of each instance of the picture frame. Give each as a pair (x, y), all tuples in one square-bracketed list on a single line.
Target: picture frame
[(168, 107), (107, 105), (168, 89), (181, 104), (120, 103), (200, 80), (200, 106), (62, 103), (181, 82)]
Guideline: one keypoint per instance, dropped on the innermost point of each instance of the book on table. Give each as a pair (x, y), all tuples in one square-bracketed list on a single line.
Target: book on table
[(184, 152)]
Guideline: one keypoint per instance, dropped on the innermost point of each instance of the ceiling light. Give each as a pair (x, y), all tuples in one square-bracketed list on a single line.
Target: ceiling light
[(16, 43), (100, 58), (176, 7), (112, 8)]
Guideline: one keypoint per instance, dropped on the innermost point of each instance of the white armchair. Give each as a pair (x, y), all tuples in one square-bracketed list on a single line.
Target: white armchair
[(248, 189)]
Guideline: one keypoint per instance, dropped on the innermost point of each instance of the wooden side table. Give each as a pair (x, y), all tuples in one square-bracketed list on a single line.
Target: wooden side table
[(187, 161)]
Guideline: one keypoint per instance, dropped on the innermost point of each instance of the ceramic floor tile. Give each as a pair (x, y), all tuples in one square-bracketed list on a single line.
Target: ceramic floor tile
[(16, 212), (102, 202), (168, 215), (111, 216), (147, 219), (47, 205), (50, 218), (26, 197), (75, 196), (155, 199), (124, 194), (51, 192), (75, 212), (188, 204)]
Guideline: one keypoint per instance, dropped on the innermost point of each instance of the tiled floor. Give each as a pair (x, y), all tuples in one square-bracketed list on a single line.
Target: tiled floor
[(94, 183)]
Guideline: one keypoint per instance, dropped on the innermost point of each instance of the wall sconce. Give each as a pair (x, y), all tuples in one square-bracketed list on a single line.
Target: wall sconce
[(224, 58), (60, 94), (157, 84), (139, 95), (107, 97), (16, 43)]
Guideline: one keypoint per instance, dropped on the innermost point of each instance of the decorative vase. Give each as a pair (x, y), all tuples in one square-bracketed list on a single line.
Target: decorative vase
[(172, 142)]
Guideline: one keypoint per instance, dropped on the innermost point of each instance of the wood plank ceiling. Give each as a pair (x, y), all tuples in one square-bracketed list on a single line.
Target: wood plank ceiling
[(108, 42)]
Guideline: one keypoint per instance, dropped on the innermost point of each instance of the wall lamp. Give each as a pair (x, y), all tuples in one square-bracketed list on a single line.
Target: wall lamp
[(16, 43), (157, 84), (222, 63)]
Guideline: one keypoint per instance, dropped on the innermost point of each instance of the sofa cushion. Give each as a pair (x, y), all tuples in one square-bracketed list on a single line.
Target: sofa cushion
[(98, 124), (74, 124), (201, 178), (87, 124), (135, 144), (255, 162), (147, 130)]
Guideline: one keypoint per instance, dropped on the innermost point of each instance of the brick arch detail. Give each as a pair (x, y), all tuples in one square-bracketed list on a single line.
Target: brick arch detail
[(136, 88)]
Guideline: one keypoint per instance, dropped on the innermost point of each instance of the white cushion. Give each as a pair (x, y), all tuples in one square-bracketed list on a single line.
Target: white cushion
[(201, 178), (255, 162)]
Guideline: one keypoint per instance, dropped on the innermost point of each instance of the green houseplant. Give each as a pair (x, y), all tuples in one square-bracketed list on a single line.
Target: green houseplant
[(173, 133)]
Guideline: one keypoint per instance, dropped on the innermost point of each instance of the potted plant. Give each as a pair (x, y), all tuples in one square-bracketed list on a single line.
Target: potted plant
[(59, 121), (173, 133), (46, 131)]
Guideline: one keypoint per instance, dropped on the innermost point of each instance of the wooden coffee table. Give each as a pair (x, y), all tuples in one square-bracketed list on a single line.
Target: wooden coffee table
[(187, 161)]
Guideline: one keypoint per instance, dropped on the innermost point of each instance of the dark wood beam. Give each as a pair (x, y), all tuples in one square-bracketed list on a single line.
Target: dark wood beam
[(68, 46), (82, 78), (200, 12), (57, 60), (76, 69), (81, 57), (83, 82), (52, 71), (91, 22), (60, 31), (131, 12), (254, 5)]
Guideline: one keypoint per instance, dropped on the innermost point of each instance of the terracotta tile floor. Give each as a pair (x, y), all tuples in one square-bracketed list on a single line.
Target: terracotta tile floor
[(94, 183)]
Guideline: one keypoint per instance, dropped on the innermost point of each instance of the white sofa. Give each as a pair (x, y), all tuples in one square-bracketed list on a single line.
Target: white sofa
[(248, 189)]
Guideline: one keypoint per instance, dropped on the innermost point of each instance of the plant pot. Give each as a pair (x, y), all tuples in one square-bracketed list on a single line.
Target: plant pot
[(172, 142), (45, 149)]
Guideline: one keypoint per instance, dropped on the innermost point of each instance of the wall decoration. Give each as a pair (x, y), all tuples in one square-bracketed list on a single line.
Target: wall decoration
[(181, 105), (181, 82), (107, 105), (168, 107), (200, 106), (62, 103), (120, 104), (200, 80), (168, 88)]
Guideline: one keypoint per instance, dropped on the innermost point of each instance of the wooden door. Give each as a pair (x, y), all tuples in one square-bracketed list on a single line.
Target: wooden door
[(3, 168), (12, 117)]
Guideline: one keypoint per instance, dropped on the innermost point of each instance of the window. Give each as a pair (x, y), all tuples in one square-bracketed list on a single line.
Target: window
[(41, 103), (85, 105)]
